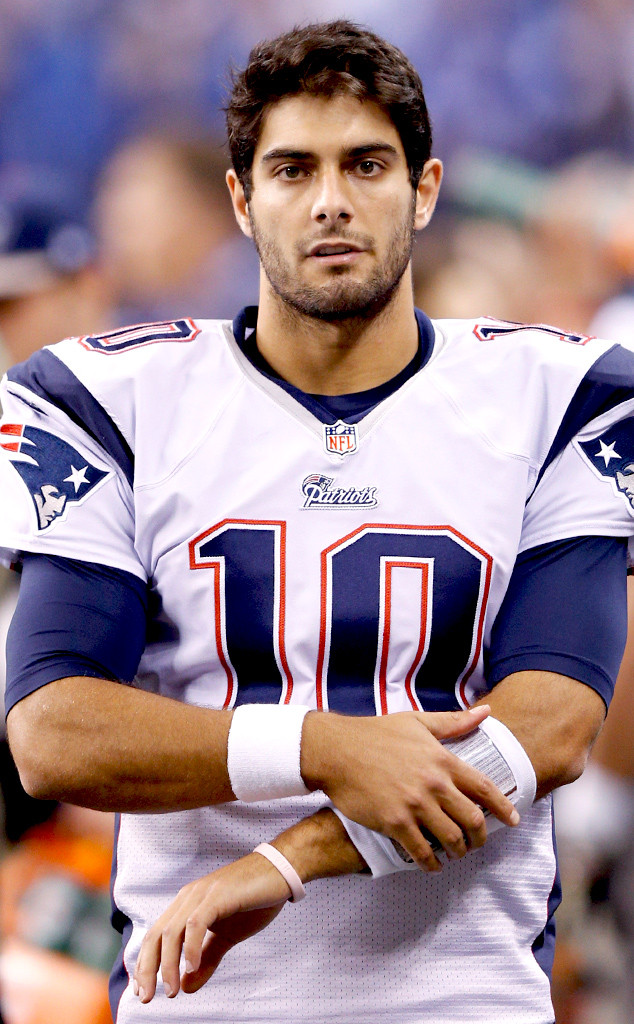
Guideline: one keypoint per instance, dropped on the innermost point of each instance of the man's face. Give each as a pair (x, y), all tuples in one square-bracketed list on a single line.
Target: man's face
[(332, 211)]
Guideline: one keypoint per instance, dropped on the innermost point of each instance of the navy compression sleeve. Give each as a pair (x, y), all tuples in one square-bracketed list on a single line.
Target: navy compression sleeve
[(73, 619), (565, 611)]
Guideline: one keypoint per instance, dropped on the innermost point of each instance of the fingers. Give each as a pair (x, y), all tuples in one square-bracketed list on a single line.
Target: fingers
[(412, 839), (160, 950), (459, 824), (443, 810), (226, 934), (212, 952), (205, 920), (468, 780), (187, 918), (485, 793), (444, 725), (148, 964), (448, 822)]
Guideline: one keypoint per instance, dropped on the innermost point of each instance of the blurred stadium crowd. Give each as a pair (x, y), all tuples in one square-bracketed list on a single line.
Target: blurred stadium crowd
[(113, 209)]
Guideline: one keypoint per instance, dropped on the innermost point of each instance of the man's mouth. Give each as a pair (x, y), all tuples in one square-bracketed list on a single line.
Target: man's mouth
[(335, 252)]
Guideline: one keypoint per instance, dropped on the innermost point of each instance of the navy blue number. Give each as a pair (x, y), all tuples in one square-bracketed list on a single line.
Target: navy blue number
[(248, 562), (247, 559), (125, 338), (354, 578), (500, 328)]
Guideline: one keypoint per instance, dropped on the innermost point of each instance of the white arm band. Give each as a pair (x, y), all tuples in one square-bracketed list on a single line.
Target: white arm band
[(264, 750), (493, 750), (286, 870)]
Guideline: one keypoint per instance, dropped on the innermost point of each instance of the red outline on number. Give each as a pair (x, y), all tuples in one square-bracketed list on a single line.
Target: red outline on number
[(376, 528), (424, 570), (215, 565), (120, 333), (570, 337)]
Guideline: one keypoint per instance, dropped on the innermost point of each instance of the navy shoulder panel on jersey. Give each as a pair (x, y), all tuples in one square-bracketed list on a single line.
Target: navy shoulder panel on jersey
[(608, 383), (73, 618), (46, 376), (552, 619)]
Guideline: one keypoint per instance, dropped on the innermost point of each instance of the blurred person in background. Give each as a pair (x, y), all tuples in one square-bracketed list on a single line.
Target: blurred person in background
[(54, 857), (167, 235), (536, 246), (50, 287), (595, 815)]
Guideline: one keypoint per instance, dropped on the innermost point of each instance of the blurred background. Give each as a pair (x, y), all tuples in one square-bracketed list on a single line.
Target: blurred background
[(113, 209)]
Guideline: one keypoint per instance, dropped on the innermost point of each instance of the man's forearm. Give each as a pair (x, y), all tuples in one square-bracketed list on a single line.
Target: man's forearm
[(100, 744), (104, 745), (319, 847), (554, 717)]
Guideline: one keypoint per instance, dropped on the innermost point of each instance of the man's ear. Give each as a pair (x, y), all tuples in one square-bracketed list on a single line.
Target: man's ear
[(427, 193), (239, 200)]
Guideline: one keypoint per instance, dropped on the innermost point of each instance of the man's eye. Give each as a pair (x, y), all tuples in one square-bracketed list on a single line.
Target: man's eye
[(368, 167), (292, 172)]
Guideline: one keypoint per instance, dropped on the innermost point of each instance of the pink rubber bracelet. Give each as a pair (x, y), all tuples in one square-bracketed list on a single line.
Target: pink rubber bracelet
[(285, 869)]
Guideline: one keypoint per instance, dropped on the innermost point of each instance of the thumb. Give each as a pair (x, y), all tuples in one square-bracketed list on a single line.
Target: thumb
[(445, 725)]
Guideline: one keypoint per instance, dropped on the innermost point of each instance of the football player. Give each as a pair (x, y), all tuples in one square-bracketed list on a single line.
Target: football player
[(364, 572)]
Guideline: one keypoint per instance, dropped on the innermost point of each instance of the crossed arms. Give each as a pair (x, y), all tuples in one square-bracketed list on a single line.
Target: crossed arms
[(104, 745)]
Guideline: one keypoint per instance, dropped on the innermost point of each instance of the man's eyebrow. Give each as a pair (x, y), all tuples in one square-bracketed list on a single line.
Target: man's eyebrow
[(286, 154), (372, 147), (353, 153)]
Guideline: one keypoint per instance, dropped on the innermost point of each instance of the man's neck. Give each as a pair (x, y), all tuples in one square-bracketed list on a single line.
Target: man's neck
[(341, 357)]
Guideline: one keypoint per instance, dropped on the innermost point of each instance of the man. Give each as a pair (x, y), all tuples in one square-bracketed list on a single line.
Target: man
[(191, 459)]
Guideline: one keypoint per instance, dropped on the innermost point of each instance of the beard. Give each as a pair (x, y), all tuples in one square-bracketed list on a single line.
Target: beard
[(339, 298)]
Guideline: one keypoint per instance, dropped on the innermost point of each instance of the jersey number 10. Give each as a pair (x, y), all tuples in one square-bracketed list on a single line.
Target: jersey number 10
[(379, 629)]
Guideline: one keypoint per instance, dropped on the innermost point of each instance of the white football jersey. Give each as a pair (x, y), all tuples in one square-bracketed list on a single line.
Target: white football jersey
[(353, 567)]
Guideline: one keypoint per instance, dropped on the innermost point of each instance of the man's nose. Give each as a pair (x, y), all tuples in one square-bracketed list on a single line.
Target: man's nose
[(332, 200)]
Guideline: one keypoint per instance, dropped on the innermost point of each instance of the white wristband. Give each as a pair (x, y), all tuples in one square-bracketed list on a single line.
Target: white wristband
[(512, 751), (264, 750), (285, 869), (377, 850), (493, 750)]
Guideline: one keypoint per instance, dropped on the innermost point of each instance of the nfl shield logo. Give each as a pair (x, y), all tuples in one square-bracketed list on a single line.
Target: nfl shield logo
[(340, 438)]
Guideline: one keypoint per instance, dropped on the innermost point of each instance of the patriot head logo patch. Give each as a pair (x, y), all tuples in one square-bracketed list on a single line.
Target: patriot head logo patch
[(612, 457), (55, 474)]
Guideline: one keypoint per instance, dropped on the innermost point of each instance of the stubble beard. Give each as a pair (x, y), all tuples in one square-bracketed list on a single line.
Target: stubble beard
[(340, 298)]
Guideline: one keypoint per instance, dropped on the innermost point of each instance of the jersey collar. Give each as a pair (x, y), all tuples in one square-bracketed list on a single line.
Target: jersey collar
[(329, 408)]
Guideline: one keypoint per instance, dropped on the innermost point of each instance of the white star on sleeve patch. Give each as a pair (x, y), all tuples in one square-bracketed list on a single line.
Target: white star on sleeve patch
[(606, 452), (77, 477)]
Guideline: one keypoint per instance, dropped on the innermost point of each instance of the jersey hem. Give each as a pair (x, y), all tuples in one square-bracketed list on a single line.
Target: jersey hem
[(13, 549), (578, 530)]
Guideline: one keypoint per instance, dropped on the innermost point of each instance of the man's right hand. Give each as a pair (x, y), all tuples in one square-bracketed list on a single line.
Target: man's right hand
[(392, 774)]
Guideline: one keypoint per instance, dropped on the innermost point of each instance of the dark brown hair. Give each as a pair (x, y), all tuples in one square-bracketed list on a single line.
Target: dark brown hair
[(323, 60)]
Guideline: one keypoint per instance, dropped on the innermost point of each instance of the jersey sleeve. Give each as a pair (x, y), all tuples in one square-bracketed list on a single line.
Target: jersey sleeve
[(565, 611), (93, 623), (585, 485), (66, 471)]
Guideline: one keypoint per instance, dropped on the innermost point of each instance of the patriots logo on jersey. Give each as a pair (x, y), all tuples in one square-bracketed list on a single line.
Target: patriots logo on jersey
[(319, 494), (612, 456), (54, 472)]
